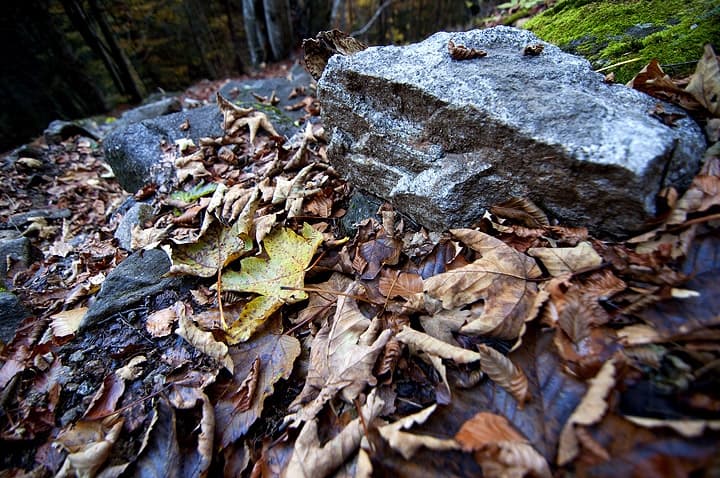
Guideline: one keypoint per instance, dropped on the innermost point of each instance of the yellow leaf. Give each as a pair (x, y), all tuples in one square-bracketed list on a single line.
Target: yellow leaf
[(218, 247), (277, 278)]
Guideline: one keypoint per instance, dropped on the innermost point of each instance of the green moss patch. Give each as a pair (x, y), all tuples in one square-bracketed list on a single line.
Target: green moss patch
[(610, 32)]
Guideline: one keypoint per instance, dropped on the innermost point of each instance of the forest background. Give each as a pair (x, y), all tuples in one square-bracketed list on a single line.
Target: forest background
[(69, 59)]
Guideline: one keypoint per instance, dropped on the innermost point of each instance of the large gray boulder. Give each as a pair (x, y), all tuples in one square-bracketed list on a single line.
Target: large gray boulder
[(443, 139)]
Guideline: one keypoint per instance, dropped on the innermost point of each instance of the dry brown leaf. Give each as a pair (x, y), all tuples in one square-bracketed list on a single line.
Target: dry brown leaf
[(88, 444), (311, 459), (686, 428), (342, 358), (159, 323), (399, 284), (561, 260), (431, 345), (505, 373), (67, 322), (653, 81), (204, 342), (589, 411), (498, 277), (705, 82), (485, 428), (407, 444), (523, 210)]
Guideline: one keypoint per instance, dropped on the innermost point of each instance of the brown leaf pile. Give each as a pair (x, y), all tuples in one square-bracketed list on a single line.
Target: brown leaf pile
[(516, 348)]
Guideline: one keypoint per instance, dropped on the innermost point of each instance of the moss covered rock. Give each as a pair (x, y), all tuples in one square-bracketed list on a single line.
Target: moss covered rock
[(611, 32)]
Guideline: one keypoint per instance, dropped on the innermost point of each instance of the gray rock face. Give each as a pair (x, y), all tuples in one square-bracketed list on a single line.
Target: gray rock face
[(443, 139), (138, 277)]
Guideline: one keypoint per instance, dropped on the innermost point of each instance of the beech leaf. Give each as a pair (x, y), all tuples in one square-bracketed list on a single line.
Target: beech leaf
[(705, 82), (591, 409), (505, 373), (272, 356), (407, 444), (561, 260), (204, 342), (342, 358)]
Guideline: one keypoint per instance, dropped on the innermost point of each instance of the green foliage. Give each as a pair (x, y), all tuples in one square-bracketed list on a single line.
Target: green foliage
[(195, 193), (673, 31)]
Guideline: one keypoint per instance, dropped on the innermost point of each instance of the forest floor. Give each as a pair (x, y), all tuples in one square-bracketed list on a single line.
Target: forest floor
[(516, 347)]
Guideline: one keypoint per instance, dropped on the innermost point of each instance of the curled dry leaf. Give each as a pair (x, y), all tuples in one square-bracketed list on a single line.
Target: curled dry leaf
[(88, 444), (461, 52), (431, 345), (342, 358), (159, 323), (311, 459), (505, 373), (686, 428), (705, 82), (561, 260), (534, 49), (523, 210), (653, 81), (67, 322), (204, 342), (591, 409), (407, 444)]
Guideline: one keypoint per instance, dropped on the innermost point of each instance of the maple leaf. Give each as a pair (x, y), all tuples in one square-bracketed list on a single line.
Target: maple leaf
[(235, 117), (342, 358), (277, 279), (274, 355), (219, 246)]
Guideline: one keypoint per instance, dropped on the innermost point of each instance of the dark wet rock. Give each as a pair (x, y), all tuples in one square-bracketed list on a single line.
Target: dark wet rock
[(137, 278), (12, 313), (20, 219), (18, 249), (443, 140), (59, 130), (135, 152), (147, 111), (137, 214)]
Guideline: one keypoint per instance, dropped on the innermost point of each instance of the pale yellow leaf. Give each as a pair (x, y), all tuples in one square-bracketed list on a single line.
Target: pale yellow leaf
[(204, 342), (67, 322)]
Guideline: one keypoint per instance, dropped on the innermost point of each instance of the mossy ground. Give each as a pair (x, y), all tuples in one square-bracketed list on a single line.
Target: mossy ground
[(610, 32)]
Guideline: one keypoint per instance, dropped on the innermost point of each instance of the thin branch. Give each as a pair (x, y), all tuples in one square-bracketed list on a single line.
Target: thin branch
[(373, 19)]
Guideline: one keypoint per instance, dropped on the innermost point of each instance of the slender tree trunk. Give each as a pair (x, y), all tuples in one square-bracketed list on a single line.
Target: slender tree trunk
[(254, 33), (239, 66), (337, 14), (279, 27)]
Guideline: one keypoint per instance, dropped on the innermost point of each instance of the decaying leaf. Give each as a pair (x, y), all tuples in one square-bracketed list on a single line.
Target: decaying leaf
[(687, 428), (653, 81), (263, 361), (431, 345), (88, 444), (311, 459), (705, 82), (318, 50), (342, 358), (505, 373), (204, 342), (561, 260), (407, 444), (67, 322), (499, 448), (461, 52), (277, 279), (590, 410), (498, 278), (400, 284), (523, 210)]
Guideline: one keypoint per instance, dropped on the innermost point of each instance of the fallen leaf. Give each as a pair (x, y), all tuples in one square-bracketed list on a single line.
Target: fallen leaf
[(342, 358), (590, 410), (311, 459), (522, 210), (705, 82), (67, 322), (653, 81), (688, 428), (204, 342), (399, 284), (275, 356), (277, 279), (431, 345), (562, 260), (505, 373), (407, 444), (485, 428), (88, 444)]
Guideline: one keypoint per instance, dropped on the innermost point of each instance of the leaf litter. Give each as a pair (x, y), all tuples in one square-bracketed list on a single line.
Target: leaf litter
[(518, 348)]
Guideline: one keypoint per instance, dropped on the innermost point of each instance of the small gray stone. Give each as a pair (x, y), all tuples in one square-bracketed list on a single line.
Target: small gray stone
[(136, 278), (137, 214), (443, 140), (12, 313), (15, 249)]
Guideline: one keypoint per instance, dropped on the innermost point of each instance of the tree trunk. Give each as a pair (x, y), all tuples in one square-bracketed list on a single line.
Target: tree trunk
[(337, 15), (239, 66), (254, 32), (279, 27)]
